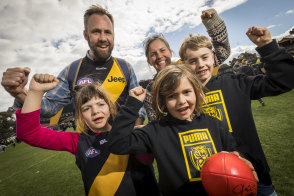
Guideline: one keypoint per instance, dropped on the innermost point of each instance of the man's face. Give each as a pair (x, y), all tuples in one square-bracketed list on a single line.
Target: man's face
[(100, 36), (201, 62)]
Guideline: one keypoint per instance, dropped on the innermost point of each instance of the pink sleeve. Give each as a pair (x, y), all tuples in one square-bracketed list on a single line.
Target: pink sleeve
[(29, 130)]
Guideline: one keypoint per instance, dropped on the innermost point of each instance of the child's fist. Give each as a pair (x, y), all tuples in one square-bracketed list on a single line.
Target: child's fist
[(259, 35), (138, 92), (43, 82)]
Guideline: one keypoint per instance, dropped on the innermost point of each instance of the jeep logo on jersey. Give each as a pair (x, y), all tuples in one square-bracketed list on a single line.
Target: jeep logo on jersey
[(116, 79), (92, 152), (84, 81)]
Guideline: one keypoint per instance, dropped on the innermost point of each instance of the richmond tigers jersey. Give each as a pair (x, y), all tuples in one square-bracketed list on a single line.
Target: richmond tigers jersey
[(103, 173), (109, 74)]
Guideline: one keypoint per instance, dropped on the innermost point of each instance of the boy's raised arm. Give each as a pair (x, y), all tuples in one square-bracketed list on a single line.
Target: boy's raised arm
[(217, 31), (260, 36)]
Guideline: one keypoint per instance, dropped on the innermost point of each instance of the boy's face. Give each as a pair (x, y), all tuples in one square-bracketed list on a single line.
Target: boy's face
[(181, 103), (95, 114), (200, 61)]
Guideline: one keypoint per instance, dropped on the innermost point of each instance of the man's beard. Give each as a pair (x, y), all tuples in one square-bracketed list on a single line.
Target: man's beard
[(100, 56)]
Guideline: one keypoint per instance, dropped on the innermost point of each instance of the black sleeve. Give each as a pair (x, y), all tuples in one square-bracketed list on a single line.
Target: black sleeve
[(125, 140), (228, 141)]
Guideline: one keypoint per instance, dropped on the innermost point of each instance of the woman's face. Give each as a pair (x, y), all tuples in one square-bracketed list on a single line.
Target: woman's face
[(159, 56), (95, 114)]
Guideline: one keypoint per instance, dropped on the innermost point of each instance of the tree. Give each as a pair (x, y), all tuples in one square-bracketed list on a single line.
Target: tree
[(7, 125)]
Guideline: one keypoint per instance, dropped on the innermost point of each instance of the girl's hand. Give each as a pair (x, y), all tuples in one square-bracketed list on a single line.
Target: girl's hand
[(138, 92), (247, 163), (43, 82), (259, 35)]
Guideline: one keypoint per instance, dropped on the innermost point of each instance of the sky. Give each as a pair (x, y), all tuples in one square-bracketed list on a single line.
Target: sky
[(47, 35)]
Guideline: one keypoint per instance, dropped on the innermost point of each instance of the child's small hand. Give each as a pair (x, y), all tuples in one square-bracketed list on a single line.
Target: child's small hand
[(138, 92), (207, 14), (43, 82), (259, 35)]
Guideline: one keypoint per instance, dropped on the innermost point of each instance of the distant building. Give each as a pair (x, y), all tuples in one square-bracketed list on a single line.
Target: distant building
[(288, 42)]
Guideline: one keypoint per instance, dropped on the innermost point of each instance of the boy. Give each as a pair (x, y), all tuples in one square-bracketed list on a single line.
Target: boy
[(229, 97)]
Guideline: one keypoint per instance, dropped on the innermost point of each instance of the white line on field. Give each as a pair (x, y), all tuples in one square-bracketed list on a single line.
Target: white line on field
[(1, 180)]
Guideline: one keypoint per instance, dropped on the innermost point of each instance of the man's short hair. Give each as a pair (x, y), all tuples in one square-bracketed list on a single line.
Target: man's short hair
[(96, 9)]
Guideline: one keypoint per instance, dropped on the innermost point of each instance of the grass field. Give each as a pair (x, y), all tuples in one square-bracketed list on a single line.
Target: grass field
[(26, 170)]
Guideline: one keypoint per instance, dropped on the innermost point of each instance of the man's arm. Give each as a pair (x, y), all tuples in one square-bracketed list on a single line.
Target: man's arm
[(14, 81), (217, 31)]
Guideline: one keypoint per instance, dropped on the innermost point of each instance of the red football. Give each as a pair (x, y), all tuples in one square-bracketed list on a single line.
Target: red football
[(225, 174)]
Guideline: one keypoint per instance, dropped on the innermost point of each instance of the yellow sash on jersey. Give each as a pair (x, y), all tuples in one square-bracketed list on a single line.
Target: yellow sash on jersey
[(115, 82), (114, 85), (215, 70), (54, 120), (110, 176)]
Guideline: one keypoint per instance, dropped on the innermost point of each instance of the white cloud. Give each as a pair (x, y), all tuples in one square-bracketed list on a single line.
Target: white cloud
[(273, 26), (290, 12), (235, 52), (279, 37), (285, 13), (31, 30)]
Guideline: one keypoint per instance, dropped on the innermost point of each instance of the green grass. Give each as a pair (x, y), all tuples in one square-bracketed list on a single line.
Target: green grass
[(27, 170), (275, 125)]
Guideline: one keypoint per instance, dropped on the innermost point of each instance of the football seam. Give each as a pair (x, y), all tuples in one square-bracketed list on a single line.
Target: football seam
[(228, 175)]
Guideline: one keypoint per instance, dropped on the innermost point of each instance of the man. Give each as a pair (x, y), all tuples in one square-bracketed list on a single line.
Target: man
[(97, 65)]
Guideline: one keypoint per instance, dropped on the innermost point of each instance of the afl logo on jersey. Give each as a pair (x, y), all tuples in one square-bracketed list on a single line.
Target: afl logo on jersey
[(84, 81), (92, 152)]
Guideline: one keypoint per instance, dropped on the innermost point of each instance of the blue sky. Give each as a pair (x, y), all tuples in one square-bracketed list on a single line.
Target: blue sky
[(266, 13), (47, 35)]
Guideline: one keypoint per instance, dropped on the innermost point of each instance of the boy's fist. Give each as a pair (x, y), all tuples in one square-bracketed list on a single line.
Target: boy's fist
[(259, 35), (207, 14)]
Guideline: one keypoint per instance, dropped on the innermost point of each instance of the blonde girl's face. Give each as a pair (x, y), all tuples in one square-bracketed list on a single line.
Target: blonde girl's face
[(181, 103), (159, 56), (95, 114)]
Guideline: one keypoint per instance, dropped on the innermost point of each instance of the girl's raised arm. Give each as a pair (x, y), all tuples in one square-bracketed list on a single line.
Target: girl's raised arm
[(39, 84)]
